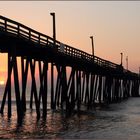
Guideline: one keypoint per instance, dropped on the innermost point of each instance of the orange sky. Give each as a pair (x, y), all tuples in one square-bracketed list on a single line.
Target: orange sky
[(115, 25)]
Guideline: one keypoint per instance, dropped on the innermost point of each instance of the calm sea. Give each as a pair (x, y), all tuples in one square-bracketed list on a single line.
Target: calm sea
[(117, 121)]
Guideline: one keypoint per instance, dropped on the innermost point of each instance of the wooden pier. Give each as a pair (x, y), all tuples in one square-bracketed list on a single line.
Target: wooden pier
[(80, 77)]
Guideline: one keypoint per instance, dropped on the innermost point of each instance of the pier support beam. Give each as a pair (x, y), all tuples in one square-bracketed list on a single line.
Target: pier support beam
[(24, 71), (52, 86), (45, 88), (34, 88)]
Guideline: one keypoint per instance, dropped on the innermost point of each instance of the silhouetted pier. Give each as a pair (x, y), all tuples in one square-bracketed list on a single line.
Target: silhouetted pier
[(91, 79)]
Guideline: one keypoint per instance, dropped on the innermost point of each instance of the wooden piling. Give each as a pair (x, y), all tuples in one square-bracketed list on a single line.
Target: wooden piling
[(72, 89), (83, 86), (52, 85), (32, 70), (24, 71), (91, 89), (95, 89), (34, 88), (9, 85), (57, 91), (64, 97), (45, 88), (16, 84), (41, 81), (87, 89)]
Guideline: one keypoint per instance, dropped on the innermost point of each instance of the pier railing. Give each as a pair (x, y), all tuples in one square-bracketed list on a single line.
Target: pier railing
[(22, 31)]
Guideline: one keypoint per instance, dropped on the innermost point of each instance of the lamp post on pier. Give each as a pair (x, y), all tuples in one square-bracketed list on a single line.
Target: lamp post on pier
[(121, 58), (54, 30), (52, 68), (127, 63), (92, 43)]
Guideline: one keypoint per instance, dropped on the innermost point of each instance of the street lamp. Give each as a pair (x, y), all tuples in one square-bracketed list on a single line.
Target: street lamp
[(127, 63), (54, 31), (92, 45), (52, 68), (121, 58)]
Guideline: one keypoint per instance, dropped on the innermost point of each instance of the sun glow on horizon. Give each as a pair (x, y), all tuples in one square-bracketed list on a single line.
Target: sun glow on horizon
[(2, 82)]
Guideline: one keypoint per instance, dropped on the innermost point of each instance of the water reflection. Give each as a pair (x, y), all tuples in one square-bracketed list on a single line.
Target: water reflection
[(113, 122)]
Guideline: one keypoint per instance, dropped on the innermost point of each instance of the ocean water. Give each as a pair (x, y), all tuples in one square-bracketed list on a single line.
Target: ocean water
[(116, 121)]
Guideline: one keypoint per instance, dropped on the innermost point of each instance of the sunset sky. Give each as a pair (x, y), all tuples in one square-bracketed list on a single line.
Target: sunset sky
[(115, 25)]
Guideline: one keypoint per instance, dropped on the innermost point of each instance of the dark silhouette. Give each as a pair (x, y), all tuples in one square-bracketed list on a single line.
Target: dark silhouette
[(90, 82)]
